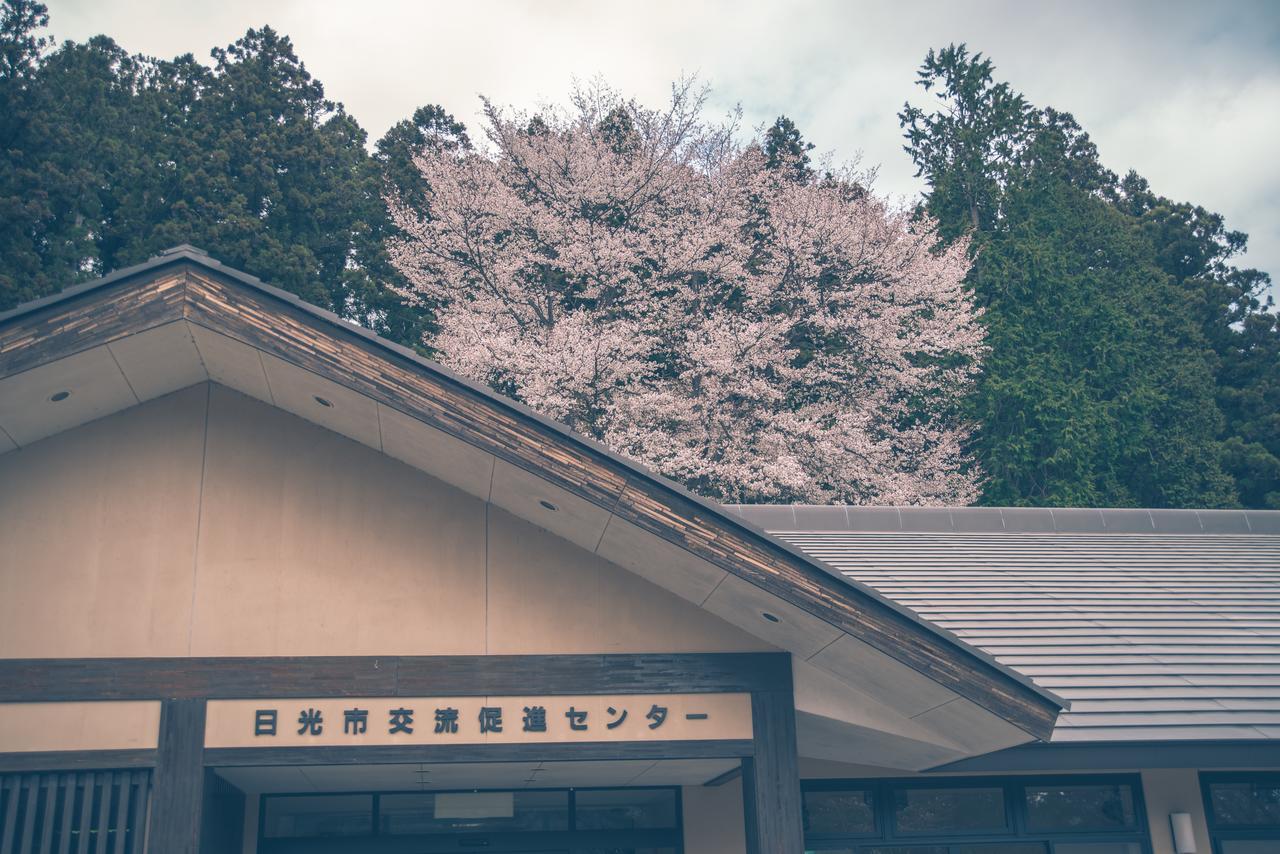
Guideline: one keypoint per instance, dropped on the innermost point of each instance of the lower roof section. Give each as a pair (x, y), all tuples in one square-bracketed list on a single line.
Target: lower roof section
[(1156, 625)]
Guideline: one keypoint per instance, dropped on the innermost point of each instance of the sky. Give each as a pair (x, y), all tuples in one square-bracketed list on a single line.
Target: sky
[(1186, 93)]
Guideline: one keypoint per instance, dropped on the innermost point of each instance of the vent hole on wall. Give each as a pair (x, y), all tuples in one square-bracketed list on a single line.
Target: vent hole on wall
[(324, 401), (59, 396), (547, 504), (770, 617)]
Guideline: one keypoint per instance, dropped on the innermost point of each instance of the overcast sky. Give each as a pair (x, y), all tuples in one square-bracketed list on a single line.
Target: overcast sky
[(1186, 93)]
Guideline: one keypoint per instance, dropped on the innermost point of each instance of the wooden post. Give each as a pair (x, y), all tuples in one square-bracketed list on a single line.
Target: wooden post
[(177, 797), (771, 777)]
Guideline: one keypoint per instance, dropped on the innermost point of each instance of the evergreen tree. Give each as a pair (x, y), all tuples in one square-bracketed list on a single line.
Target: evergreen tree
[(430, 129), (43, 211), (111, 158), (785, 148), (1100, 387), (1237, 317)]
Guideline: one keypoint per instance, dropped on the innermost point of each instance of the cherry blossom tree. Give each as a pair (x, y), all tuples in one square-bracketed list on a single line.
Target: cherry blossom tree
[(754, 330)]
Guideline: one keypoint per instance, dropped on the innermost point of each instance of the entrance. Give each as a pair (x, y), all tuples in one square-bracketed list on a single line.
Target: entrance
[(582, 807), (554, 821)]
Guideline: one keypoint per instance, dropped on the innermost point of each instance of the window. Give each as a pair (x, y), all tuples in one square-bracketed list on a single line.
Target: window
[(1243, 811), (318, 815), (952, 809), (643, 820), (1248, 802), (624, 809), (472, 812), (840, 812), (1084, 814), (1075, 807)]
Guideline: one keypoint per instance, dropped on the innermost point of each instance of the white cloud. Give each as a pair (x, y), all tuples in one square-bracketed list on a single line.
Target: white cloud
[(1186, 93)]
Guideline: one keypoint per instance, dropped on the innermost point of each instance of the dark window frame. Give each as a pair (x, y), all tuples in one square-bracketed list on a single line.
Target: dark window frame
[(1016, 828), (1220, 832), (891, 825), (570, 838)]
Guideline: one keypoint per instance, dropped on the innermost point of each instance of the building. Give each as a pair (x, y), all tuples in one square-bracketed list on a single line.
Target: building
[(270, 584)]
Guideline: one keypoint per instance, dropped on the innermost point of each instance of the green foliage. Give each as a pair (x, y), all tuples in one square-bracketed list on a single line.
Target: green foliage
[(1238, 321), (116, 157), (785, 148), (43, 206), (1130, 363), (431, 128), (962, 146)]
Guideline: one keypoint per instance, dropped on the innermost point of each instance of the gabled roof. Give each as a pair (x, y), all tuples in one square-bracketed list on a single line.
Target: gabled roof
[(1158, 625), (183, 318)]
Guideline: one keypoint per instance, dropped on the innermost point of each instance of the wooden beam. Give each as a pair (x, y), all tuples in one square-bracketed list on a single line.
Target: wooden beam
[(771, 778), (100, 317), (77, 760), (177, 799), (578, 751), (62, 679)]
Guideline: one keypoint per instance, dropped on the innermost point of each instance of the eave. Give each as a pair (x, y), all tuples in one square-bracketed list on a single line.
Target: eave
[(609, 505)]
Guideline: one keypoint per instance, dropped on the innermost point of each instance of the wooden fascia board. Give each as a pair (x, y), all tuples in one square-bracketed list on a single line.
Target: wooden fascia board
[(186, 286)]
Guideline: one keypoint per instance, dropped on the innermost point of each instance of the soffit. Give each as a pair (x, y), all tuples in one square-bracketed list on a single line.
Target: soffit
[(188, 320)]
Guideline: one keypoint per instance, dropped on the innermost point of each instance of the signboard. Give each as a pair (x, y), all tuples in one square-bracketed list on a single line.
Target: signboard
[(352, 722)]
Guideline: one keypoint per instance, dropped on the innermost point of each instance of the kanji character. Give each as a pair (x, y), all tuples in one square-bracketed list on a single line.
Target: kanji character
[(490, 719), (355, 721), (264, 722), (535, 718), (401, 721), (446, 721), (311, 722)]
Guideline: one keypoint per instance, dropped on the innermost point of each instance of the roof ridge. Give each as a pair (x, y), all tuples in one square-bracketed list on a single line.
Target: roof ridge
[(1002, 520)]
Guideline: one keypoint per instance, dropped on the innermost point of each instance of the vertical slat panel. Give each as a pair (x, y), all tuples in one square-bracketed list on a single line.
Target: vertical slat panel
[(86, 814), (68, 810), (27, 843), (50, 787), (120, 838), (104, 814), (138, 822), (138, 808), (7, 829)]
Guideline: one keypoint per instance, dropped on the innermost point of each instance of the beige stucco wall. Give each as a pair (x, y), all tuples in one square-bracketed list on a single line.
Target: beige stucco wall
[(112, 725), (205, 523), (1170, 790), (713, 819)]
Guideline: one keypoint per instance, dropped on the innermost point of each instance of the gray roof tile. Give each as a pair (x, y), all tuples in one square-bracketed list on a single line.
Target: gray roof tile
[(1160, 625)]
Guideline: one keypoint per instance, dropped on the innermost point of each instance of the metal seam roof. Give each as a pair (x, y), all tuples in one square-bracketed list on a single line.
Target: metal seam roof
[(1158, 625)]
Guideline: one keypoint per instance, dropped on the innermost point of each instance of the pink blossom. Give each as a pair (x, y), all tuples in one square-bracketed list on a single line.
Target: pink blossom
[(640, 277)]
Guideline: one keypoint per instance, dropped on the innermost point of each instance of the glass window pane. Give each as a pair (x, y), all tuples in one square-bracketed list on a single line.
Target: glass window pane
[(959, 809), (319, 815), (1002, 848), (838, 812), (1108, 806), (1097, 848), (624, 809), (828, 851), (1247, 802), (465, 812), (1251, 846)]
